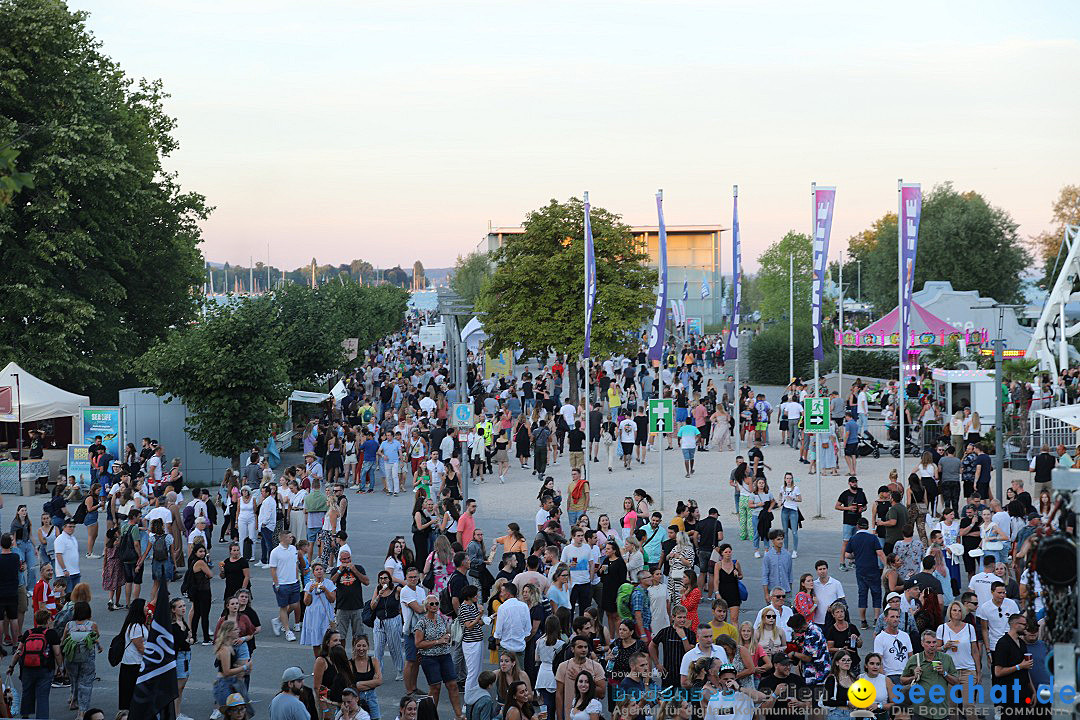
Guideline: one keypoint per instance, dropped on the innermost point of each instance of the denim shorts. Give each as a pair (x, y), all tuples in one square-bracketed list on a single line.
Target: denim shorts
[(438, 668), (688, 453), (848, 531), (287, 594), (183, 664), (90, 519), (410, 647)]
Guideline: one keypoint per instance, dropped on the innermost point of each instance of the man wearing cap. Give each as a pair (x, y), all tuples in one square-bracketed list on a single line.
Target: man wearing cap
[(785, 687), (1022, 546), (905, 624), (732, 701), (287, 705)]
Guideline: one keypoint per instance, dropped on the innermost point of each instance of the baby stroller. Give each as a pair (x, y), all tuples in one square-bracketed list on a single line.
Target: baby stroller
[(868, 445), (912, 441)]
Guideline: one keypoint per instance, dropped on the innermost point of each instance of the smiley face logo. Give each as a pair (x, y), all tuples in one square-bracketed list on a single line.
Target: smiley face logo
[(862, 694)]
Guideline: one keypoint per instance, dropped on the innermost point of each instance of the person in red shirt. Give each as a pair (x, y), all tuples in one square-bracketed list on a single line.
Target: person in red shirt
[(45, 595), (467, 523)]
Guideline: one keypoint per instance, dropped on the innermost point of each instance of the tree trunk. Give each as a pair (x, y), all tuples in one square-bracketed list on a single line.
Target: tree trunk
[(572, 381)]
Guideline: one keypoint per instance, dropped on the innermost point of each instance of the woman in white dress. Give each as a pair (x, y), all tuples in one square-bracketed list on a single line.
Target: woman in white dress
[(245, 523)]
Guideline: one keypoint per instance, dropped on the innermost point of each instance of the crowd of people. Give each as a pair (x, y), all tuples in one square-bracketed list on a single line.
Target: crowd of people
[(625, 612)]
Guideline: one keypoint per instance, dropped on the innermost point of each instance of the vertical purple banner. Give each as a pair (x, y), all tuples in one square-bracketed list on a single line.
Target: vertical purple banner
[(590, 278), (656, 331), (910, 214), (731, 352), (824, 199)]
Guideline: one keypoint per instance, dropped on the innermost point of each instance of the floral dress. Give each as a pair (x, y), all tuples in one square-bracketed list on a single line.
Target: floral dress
[(112, 576)]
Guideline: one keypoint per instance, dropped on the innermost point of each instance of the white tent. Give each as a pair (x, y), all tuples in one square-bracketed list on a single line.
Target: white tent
[(1068, 414), (40, 400)]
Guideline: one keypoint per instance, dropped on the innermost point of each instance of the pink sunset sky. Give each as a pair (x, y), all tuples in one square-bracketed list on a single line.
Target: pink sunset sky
[(395, 131)]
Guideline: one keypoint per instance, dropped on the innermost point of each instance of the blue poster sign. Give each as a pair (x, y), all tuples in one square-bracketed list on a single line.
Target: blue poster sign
[(78, 464), (103, 421)]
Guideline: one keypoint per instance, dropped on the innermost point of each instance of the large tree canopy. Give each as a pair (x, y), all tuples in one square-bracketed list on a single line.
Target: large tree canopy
[(773, 278), (536, 297), (98, 258), (962, 239), (235, 367), (472, 274)]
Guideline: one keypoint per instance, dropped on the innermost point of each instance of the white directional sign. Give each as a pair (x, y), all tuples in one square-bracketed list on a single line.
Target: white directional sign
[(463, 415)]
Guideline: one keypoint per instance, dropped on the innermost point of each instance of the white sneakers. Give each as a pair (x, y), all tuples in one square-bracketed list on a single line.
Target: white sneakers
[(276, 625), (794, 554), (290, 636), (757, 553)]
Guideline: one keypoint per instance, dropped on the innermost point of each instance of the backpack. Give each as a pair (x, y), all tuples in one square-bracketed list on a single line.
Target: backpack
[(35, 652), (116, 649), (161, 549), (185, 585), (126, 551), (78, 651), (622, 600), (188, 516)]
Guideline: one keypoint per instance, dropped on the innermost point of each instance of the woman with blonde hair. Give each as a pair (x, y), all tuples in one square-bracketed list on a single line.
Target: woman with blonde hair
[(959, 641), (634, 557), (768, 639)]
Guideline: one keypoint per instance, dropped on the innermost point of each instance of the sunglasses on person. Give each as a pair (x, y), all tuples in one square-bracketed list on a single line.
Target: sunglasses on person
[(433, 604)]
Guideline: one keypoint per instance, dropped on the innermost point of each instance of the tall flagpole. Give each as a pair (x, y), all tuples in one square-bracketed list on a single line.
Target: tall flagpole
[(817, 381), (736, 276), (586, 350), (840, 349), (662, 234), (791, 317), (901, 402)]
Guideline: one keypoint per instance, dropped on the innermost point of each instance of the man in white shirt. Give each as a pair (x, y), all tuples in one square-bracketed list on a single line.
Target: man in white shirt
[(980, 582), (544, 513), (827, 590), (783, 612), (266, 523), (627, 435), (703, 648), (66, 548), (568, 411), (446, 447), (427, 404), (512, 622), (893, 646), (286, 580), (159, 511), (154, 467), (198, 532), (994, 615), (578, 558)]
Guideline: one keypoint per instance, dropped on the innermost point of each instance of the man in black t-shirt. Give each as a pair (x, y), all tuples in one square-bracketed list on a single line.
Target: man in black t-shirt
[(710, 533), (596, 420), (1044, 466), (786, 687), (852, 502), (350, 580), (457, 582), (36, 655), (1010, 664), (10, 564)]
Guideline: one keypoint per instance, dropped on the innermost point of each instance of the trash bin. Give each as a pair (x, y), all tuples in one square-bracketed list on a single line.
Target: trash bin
[(29, 486)]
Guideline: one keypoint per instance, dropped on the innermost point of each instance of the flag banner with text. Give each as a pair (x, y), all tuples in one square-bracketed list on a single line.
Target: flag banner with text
[(590, 277), (656, 331), (824, 199), (731, 352), (910, 214)]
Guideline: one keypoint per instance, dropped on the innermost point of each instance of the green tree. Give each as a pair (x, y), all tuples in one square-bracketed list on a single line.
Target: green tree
[(100, 256), (231, 374), (472, 274), (962, 238), (536, 299), (11, 179), (773, 276), (1066, 211)]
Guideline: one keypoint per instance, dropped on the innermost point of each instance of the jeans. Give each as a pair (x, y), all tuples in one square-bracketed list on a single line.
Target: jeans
[(388, 637), (350, 620), (548, 698), (73, 580), (25, 550), (574, 516), (372, 701), (367, 470), (266, 539), (789, 521), (757, 538), (82, 676), (950, 496), (581, 597), (36, 684), (869, 582)]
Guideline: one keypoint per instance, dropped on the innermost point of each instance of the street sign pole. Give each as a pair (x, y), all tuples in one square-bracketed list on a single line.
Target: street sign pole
[(816, 418), (661, 420)]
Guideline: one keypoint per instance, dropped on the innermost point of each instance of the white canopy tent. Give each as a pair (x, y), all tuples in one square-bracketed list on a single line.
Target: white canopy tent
[(38, 399), (1068, 414)]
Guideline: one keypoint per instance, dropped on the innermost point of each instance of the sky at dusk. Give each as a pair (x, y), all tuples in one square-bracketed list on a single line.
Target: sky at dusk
[(395, 131)]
